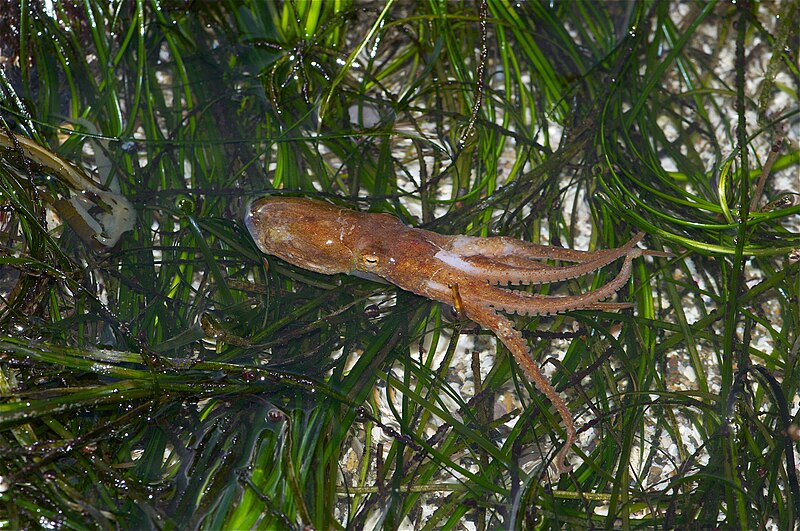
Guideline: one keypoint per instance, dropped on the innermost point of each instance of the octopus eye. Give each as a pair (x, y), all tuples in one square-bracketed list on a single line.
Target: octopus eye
[(370, 261)]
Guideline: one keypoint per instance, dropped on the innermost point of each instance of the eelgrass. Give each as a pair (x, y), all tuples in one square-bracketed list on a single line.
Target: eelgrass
[(179, 380)]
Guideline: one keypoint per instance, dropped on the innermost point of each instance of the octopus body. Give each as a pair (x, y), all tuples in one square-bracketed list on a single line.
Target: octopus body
[(462, 271)]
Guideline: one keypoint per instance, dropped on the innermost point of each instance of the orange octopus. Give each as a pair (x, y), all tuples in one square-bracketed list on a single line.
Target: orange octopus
[(461, 271)]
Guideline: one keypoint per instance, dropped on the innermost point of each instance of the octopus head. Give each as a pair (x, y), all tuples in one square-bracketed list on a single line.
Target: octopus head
[(307, 233)]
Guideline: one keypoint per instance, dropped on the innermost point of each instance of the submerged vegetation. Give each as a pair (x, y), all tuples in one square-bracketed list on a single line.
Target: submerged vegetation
[(160, 372)]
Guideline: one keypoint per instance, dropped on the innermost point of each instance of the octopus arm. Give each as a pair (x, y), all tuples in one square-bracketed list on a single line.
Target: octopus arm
[(534, 304), (515, 343), (500, 271), (515, 262), (500, 247)]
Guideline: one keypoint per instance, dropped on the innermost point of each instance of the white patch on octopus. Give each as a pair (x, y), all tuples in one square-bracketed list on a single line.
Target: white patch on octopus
[(455, 261)]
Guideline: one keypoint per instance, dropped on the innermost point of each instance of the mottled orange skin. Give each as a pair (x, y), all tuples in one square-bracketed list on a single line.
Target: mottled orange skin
[(329, 239)]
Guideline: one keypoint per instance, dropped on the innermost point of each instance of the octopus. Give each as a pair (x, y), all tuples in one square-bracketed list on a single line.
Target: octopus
[(471, 274)]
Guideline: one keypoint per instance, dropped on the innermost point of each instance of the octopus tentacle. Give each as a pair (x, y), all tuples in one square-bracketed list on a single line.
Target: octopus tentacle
[(495, 270), (515, 343), (483, 310), (516, 262), (534, 304), (499, 247), (495, 273)]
